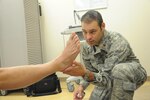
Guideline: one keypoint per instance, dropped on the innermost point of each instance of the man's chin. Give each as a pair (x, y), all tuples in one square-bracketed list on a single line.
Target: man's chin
[(91, 44)]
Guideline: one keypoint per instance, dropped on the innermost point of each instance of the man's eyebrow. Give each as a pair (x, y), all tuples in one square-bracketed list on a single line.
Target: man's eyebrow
[(83, 30)]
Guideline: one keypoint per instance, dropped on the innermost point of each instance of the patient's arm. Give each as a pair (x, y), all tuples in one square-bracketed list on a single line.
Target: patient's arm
[(22, 76)]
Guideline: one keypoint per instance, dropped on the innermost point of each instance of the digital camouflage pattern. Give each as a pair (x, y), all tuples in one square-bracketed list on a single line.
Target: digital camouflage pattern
[(116, 69)]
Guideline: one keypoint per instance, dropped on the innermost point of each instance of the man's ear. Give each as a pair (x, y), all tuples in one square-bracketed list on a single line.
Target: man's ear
[(103, 26)]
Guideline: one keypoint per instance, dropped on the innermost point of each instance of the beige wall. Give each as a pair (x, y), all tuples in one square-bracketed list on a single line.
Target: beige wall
[(129, 17)]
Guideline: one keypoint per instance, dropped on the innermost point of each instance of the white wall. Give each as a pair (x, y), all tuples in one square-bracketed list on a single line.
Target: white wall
[(129, 17)]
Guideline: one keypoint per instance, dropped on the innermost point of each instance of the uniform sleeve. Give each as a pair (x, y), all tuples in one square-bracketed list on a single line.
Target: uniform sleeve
[(84, 83), (118, 53)]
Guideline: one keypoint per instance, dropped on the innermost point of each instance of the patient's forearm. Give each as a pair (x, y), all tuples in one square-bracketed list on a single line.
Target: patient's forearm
[(22, 76)]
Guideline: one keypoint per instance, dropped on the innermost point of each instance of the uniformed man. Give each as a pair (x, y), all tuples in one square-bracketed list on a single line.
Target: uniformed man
[(110, 63)]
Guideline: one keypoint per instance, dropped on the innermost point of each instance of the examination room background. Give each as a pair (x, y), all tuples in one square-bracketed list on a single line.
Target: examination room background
[(131, 18)]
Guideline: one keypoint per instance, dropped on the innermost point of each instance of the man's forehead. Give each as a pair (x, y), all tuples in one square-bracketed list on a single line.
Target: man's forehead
[(89, 26)]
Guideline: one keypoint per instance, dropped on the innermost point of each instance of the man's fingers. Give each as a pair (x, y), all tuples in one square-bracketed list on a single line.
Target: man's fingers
[(68, 69), (81, 95), (72, 36), (76, 63)]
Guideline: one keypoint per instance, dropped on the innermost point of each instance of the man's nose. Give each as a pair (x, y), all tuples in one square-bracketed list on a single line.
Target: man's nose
[(88, 36)]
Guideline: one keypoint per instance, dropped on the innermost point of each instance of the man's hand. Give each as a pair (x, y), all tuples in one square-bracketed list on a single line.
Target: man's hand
[(79, 93), (77, 69)]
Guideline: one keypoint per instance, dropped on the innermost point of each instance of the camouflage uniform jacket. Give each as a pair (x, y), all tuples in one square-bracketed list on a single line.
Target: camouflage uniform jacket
[(113, 49)]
